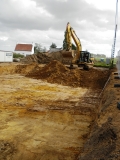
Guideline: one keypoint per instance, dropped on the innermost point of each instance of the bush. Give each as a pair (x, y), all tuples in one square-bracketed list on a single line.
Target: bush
[(18, 55)]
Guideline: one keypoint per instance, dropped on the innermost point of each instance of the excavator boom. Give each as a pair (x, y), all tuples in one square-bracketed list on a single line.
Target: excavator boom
[(69, 53)]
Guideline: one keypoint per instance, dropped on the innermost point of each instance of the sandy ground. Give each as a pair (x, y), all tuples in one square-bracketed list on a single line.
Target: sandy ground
[(41, 120)]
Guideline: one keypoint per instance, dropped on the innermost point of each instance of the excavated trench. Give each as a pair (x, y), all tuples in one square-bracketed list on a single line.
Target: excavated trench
[(47, 112)]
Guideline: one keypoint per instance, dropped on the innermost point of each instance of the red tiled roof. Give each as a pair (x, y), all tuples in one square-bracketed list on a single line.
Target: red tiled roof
[(23, 47)]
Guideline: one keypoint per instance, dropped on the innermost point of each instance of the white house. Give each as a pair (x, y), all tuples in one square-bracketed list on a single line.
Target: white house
[(24, 49), (6, 56)]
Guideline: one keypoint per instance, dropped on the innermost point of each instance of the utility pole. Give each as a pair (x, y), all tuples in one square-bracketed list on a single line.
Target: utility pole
[(113, 46)]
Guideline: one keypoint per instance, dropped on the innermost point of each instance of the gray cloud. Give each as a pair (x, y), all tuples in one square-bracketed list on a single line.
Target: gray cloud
[(45, 22)]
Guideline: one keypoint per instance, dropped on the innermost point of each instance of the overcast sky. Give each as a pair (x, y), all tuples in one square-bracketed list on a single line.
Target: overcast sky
[(44, 22)]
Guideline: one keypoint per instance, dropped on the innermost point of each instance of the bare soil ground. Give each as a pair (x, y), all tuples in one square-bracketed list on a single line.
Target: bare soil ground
[(47, 111), (104, 140)]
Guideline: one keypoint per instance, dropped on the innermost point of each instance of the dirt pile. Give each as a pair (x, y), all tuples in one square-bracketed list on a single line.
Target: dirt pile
[(43, 57), (39, 58), (56, 72), (25, 68), (6, 69), (18, 68)]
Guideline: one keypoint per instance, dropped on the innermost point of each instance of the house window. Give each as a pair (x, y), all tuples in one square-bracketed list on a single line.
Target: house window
[(8, 54)]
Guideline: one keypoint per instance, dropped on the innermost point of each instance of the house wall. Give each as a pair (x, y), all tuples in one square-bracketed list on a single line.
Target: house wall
[(33, 48), (6, 56), (24, 52)]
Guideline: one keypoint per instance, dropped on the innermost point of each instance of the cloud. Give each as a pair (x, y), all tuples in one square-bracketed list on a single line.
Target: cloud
[(45, 21), (3, 38), (23, 15)]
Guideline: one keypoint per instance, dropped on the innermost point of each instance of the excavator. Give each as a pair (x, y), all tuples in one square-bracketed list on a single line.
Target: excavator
[(76, 57)]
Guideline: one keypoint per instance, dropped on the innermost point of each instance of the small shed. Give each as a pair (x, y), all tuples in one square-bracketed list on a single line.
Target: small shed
[(6, 56)]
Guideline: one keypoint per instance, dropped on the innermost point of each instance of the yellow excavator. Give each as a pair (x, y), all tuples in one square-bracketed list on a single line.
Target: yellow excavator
[(79, 57)]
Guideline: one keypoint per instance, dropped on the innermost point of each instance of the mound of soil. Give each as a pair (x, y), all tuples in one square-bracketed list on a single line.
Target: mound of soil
[(18, 68), (43, 58), (56, 72), (25, 68), (39, 58)]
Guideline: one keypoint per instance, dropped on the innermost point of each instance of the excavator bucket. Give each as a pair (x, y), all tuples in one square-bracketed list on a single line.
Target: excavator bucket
[(67, 56)]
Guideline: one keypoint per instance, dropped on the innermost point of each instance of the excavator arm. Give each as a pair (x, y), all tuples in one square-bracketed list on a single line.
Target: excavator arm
[(69, 35), (78, 44)]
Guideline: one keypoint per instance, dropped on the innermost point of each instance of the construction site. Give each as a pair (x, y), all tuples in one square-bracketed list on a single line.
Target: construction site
[(52, 112), (59, 106)]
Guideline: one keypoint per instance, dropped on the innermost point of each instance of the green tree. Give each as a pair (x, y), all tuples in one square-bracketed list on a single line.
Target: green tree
[(53, 45), (38, 48), (65, 42), (65, 45), (73, 47)]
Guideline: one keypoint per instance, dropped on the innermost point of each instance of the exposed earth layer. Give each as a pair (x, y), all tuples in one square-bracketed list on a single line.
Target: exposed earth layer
[(48, 111)]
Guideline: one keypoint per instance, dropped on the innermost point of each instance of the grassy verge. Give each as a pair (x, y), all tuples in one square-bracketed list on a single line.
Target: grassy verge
[(103, 64)]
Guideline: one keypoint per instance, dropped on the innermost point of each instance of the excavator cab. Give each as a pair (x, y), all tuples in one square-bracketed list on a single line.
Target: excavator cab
[(85, 60), (84, 56)]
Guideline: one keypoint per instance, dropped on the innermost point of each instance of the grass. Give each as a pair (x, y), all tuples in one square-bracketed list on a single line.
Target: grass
[(99, 63)]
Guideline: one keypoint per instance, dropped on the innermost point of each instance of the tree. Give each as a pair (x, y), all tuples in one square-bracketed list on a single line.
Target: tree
[(65, 44), (53, 45), (73, 47), (44, 49), (38, 48)]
